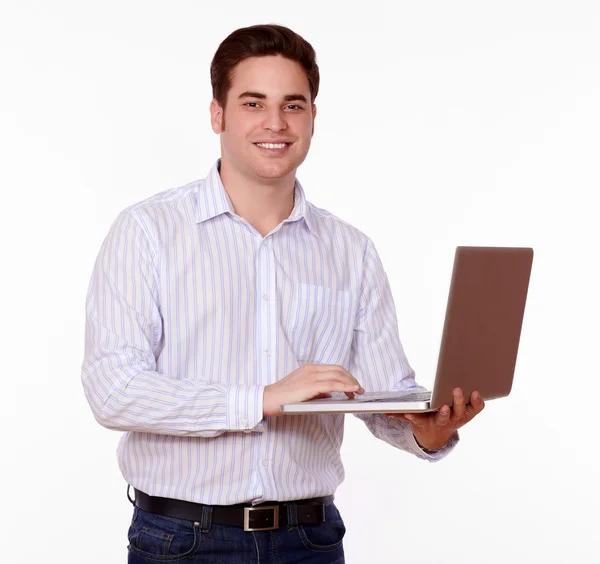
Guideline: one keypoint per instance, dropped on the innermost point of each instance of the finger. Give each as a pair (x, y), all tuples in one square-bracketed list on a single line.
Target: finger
[(408, 417), (335, 370), (421, 421), (338, 376), (329, 368), (477, 405), (322, 396), (442, 417), (330, 386), (458, 408), (334, 376)]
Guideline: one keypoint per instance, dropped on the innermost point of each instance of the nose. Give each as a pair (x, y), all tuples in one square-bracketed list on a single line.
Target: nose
[(275, 120)]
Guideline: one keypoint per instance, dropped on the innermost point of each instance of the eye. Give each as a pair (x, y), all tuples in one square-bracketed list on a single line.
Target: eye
[(291, 106)]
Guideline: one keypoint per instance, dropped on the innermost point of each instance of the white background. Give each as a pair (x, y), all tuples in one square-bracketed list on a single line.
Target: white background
[(439, 124)]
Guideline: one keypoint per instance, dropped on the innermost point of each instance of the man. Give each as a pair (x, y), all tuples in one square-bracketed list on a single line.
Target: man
[(212, 304)]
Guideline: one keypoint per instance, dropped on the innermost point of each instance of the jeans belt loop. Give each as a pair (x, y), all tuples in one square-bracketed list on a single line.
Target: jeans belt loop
[(292, 510), (206, 522)]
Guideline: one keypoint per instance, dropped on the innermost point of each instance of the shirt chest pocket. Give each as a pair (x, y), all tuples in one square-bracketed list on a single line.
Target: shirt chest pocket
[(321, 325)]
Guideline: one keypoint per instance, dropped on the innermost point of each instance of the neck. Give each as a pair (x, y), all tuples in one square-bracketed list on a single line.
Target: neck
[(263, 203)]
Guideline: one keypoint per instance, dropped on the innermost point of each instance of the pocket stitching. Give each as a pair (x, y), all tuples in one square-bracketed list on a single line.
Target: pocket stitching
[(316, 547), (341, 308), (166, 558)]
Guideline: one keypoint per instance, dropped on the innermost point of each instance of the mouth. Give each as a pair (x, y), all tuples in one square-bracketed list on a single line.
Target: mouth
[(273, 148)]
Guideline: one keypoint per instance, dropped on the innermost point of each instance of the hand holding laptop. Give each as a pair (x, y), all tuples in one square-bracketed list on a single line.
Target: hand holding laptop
[(433, 430)]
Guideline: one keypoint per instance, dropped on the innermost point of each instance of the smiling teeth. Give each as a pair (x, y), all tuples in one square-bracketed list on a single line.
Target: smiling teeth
[(272, 145)]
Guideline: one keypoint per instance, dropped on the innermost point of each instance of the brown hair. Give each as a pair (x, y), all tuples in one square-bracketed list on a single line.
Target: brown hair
[(261, 41)]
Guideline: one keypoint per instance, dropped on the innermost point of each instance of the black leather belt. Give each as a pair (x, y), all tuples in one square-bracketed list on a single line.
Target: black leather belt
[(263, 517)]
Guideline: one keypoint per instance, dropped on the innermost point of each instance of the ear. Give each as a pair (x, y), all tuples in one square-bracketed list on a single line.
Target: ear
[(216, 116), (314, 115)]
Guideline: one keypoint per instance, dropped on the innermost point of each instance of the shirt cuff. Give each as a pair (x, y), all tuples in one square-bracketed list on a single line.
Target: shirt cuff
[(245, 408), (433, 456)]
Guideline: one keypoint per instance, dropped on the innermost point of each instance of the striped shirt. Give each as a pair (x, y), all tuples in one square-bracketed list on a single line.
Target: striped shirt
[(190, 313)]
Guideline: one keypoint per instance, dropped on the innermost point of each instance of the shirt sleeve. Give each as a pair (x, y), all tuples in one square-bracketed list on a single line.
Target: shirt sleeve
[(377, 358), (123, 330)]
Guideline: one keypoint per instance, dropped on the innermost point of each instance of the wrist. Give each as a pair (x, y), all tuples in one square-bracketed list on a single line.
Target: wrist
[(269, 403), (432, 446)]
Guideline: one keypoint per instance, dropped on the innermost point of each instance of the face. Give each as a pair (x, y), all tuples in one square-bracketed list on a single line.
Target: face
[(269, 101)]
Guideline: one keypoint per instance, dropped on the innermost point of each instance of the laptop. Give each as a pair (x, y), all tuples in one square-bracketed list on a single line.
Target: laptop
[(480, 339)]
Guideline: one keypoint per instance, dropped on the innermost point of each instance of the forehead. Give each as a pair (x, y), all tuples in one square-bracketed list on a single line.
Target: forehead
[(273, 75)]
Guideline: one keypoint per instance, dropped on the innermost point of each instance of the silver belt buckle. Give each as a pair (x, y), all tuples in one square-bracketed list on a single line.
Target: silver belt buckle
[(247, 511)]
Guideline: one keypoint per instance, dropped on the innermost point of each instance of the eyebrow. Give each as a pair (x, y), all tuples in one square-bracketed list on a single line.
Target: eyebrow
[(286, 98)]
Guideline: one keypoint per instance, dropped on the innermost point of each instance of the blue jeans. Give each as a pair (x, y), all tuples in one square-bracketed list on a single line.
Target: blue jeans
[(154, 538)]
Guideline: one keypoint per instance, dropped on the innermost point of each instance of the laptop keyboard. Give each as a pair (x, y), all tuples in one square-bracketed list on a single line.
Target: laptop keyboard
[(408, 397)]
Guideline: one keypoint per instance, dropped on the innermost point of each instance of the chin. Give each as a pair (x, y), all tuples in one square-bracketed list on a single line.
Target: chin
[(274, 170)]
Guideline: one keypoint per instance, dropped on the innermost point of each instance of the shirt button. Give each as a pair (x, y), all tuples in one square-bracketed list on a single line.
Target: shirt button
[(266, 297), (266, 243), (267, 352), (265, 462), (244, 422)]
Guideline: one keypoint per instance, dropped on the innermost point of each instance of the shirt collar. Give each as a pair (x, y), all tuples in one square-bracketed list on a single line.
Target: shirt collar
[(213, 200)]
